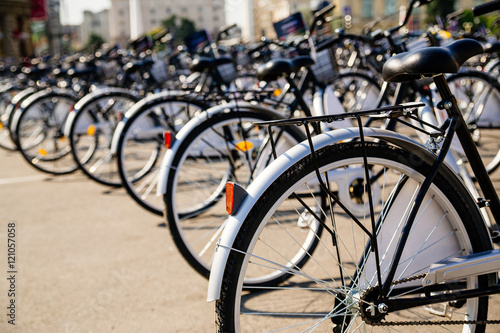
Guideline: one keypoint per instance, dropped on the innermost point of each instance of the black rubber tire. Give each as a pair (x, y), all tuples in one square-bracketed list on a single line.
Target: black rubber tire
[(51, 153), (100, 154), (447, 183), (128, 183), (175, 220)]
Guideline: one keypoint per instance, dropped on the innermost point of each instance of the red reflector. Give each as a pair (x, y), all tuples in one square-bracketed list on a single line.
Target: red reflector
[(229, 198), (168, 139)]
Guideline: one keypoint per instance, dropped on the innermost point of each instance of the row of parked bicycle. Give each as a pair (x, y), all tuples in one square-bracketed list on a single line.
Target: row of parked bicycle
[(174, 130)]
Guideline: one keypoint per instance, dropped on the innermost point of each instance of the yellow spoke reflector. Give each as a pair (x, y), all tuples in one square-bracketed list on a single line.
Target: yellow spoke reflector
[(244, 146), (91, 130), (1, 125), (42, 152), (277, 92)]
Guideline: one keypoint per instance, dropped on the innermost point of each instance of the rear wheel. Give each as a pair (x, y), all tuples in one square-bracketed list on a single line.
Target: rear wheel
[(478, 97), (225, 147), (91, 133), (332, 291), (141, 147), (39, 133)]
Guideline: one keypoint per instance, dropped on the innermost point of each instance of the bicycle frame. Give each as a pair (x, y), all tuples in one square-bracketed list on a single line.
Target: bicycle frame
[(455, 124)]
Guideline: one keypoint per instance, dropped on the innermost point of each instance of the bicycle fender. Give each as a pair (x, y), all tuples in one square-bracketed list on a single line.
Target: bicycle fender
[(85, 100), (273, 171), (192, 124)]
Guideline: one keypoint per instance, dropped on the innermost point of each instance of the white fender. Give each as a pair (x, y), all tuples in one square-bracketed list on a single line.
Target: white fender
[(192, 124), (273, 171)]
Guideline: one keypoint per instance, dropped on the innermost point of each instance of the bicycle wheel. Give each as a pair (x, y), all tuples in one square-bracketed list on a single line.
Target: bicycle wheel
[(39, 132), (91, 135), (478, 96), (141, 148), (356, 91), (211, 155), (6, 97), (334, 289)]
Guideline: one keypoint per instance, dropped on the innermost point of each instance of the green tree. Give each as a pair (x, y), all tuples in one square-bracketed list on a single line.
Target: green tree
[(179, 27), (439, 8), (95, 41)]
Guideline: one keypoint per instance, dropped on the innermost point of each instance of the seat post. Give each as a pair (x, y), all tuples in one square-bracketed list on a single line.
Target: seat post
[(449, 103)]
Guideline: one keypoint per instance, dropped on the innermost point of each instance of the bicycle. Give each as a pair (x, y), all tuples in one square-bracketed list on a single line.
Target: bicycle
[(207, 153), (417, 249)]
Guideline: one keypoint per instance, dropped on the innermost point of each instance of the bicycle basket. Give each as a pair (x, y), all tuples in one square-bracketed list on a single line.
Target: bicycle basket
[(324, 69), (227, 72)]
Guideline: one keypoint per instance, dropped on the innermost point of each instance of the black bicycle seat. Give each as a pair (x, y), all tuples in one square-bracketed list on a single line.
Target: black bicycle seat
[(430, 61), (492, 47), (273, 69), (205, 63)]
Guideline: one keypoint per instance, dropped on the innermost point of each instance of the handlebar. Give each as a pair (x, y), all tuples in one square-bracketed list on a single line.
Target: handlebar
[(486, 8), (320, 14), (223, 31)]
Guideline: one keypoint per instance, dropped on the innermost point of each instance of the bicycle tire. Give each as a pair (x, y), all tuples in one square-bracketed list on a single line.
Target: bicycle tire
[(194, 208), (39, 132), (91, 132), (138, 154), (316, 297)]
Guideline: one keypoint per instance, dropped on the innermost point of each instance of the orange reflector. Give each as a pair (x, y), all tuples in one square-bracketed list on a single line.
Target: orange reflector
[(91, 130), (63, 138), (277, 92), (42, 152), (168, 139), (1, 125), (229, 198), (244, 146)]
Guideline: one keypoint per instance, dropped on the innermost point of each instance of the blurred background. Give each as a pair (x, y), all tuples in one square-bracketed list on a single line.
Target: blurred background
[(38, 27)]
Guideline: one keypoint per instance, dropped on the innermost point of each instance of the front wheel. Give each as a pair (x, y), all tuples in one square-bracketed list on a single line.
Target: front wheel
[(334, 289)]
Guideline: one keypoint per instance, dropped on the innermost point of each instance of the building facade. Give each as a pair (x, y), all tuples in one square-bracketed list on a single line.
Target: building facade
[(206, 14), (95, 24), (15, 32), (266, 12)]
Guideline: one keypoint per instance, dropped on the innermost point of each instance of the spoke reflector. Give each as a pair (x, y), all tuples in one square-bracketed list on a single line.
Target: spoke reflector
[(244, 146), (42, 152), (91, 130)]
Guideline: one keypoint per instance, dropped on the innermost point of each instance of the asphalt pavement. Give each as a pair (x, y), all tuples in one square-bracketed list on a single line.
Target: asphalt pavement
[(88, 259)]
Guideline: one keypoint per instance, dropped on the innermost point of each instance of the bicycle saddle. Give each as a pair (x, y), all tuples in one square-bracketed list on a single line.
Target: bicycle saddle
[(430, 61), (492, 47), (204, 63), (134, 66), (273, 69)]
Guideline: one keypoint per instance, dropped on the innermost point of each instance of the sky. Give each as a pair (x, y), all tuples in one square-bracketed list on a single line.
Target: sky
[(72, 10)]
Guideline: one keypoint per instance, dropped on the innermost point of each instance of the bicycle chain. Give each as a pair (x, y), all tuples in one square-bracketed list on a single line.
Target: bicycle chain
[(422, 323)]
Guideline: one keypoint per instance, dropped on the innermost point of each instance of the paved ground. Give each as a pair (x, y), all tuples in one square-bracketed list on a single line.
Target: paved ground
[(88, 259)]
